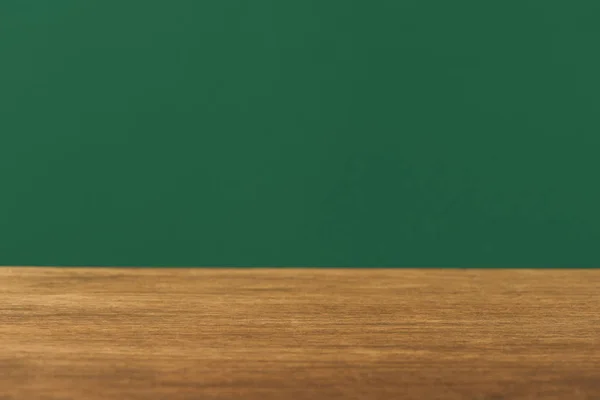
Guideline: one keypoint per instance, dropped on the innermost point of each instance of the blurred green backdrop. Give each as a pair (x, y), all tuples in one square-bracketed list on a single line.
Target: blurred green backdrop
[(300, 133)]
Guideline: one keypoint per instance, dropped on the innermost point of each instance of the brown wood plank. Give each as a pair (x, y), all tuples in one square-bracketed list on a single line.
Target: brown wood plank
[(299, 334)]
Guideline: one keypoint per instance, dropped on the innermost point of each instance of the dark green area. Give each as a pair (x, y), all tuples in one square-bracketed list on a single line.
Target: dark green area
[(300, 133)]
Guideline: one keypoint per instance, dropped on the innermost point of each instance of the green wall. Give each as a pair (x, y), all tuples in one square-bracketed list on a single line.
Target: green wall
[(300, 133)]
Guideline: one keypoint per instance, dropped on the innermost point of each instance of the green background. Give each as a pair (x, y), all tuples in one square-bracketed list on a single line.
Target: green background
[(300, 133)]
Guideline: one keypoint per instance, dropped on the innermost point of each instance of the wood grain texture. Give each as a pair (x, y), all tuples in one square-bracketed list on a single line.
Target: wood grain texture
[(299, 334)]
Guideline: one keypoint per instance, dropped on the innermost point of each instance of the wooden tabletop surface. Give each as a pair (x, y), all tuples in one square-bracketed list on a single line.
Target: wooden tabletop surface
[(299, 334)]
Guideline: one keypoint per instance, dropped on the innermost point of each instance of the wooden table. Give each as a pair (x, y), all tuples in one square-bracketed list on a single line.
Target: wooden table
[(299, 334)]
